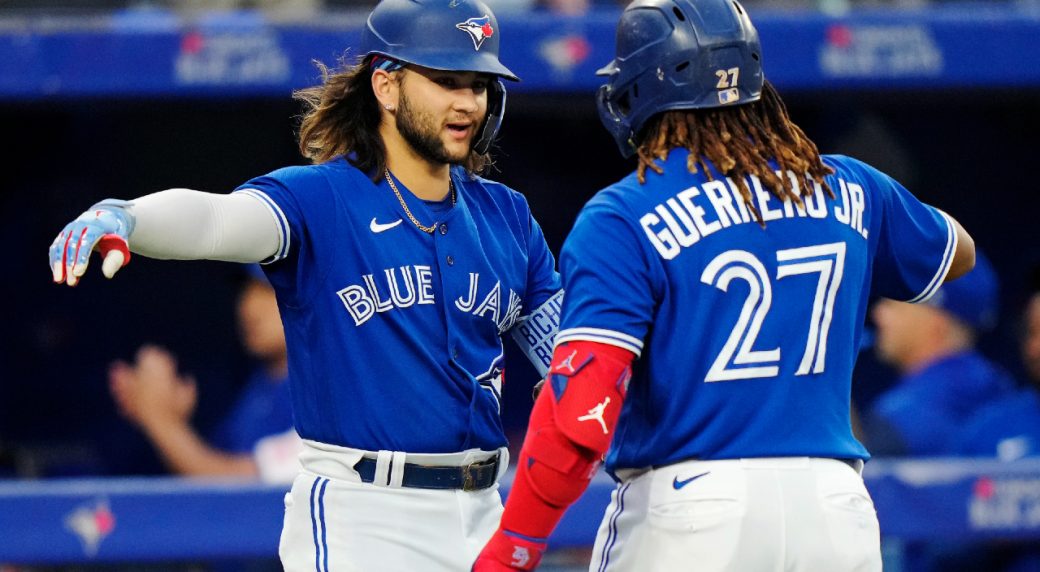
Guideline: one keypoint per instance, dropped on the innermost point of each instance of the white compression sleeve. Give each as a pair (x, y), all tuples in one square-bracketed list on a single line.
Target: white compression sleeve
[(183, 224)]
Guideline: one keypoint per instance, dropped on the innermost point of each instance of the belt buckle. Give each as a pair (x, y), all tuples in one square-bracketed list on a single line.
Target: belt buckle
[(468, 481), (467, 478)]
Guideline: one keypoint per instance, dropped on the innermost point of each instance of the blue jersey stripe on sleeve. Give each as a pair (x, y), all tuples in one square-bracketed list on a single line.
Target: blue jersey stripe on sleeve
[(944, 267), (610, 337), (279, 216)]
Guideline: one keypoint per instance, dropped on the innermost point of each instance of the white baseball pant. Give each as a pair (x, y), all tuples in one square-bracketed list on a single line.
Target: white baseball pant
[(334, 522), (790, 514)]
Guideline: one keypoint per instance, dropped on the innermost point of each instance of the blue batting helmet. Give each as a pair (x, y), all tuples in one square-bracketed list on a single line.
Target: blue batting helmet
[(450, 35), (677, 54)]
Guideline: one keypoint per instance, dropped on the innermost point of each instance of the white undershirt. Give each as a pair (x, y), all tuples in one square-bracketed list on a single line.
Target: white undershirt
[(182, 224)]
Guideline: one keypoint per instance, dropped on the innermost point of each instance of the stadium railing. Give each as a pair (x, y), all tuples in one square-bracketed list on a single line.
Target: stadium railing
[(164, 519)]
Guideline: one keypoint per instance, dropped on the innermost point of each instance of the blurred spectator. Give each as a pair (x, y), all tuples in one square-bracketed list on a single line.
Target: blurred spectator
[(945, 380), (255, 438), (1031, 337), (1009, 428)]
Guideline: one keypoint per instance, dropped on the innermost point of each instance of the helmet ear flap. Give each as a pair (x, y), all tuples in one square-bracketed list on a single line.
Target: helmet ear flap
[(614, 116), (496, 110)]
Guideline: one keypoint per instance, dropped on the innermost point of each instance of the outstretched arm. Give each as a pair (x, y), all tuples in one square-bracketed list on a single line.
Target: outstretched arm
[(177, 224)]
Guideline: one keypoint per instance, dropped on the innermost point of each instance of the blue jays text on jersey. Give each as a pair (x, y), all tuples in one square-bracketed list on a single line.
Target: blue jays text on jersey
[(403, 287), (395, 334), (747, 335)]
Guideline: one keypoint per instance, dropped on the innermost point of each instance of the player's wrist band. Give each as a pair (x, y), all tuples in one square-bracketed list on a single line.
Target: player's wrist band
[(472, 477), (119, 209)]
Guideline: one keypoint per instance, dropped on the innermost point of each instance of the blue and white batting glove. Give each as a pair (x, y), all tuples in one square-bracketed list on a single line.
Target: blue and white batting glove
[(105, 226)]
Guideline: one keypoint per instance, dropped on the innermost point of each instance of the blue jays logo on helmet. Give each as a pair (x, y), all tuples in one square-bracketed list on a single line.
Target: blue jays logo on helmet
[(479, 29), (425, 33), (677, 54)]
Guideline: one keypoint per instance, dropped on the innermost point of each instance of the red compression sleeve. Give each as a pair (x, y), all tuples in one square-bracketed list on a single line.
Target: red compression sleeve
[(589, 381), (553, 469)]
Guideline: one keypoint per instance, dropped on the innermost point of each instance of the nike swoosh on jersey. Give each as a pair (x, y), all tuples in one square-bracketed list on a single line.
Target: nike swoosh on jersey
[(378, 228), (677, 484)]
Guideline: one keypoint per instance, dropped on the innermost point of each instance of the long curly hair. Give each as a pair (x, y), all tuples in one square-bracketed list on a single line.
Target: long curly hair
[(739, 141), (341, 117)]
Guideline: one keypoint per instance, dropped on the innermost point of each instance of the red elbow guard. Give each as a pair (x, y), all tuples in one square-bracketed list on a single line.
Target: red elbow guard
[(570, 429), (588, 382), (552, 473)]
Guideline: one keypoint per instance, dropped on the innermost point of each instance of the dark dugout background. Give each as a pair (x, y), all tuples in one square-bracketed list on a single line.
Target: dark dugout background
[(971, 153)]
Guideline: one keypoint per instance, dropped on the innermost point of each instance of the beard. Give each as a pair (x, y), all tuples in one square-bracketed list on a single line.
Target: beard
[(420, 131)]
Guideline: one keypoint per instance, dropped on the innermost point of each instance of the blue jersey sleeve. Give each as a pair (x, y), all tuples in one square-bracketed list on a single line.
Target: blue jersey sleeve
[(278, 198), (536, 329), (609, 280), (295, 195), (543, 281), (915, 242)]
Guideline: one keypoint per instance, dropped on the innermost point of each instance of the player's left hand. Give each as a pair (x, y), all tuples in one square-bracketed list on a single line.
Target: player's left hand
[(150, 392), (507, 552), (105, 226)]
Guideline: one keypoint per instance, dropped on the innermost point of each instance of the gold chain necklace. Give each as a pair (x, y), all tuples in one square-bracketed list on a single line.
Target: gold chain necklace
[(407, 211)]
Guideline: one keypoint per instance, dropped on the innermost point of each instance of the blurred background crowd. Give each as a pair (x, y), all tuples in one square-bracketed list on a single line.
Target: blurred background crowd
[(305, 8), (179, 367)]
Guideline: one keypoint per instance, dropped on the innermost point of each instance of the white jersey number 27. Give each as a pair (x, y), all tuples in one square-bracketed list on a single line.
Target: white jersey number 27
[(737, 359)]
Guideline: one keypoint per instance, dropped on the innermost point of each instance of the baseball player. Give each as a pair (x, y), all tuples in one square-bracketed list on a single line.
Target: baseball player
[(151, 394), (397, 271), (945, 379), (715, 298)]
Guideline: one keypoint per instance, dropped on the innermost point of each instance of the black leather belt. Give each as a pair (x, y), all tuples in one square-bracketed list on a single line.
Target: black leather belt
[(472, 477)]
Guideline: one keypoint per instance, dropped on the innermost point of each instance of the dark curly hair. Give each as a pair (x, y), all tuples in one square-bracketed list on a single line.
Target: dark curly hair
[(739, 141)]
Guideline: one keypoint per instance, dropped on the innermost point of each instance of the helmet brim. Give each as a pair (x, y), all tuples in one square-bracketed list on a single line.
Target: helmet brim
[(448, 61)]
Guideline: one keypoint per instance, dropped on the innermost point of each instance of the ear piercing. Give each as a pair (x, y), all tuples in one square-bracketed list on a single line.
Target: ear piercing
[(388, 107)]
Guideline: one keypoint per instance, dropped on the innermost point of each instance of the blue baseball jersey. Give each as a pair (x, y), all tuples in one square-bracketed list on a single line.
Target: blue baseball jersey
[(923, 412), (1007, 428), (747, 336), (262, 409), (395, 335)]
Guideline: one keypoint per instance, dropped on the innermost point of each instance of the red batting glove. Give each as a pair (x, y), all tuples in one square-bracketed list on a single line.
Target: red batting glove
[(508, 551)]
